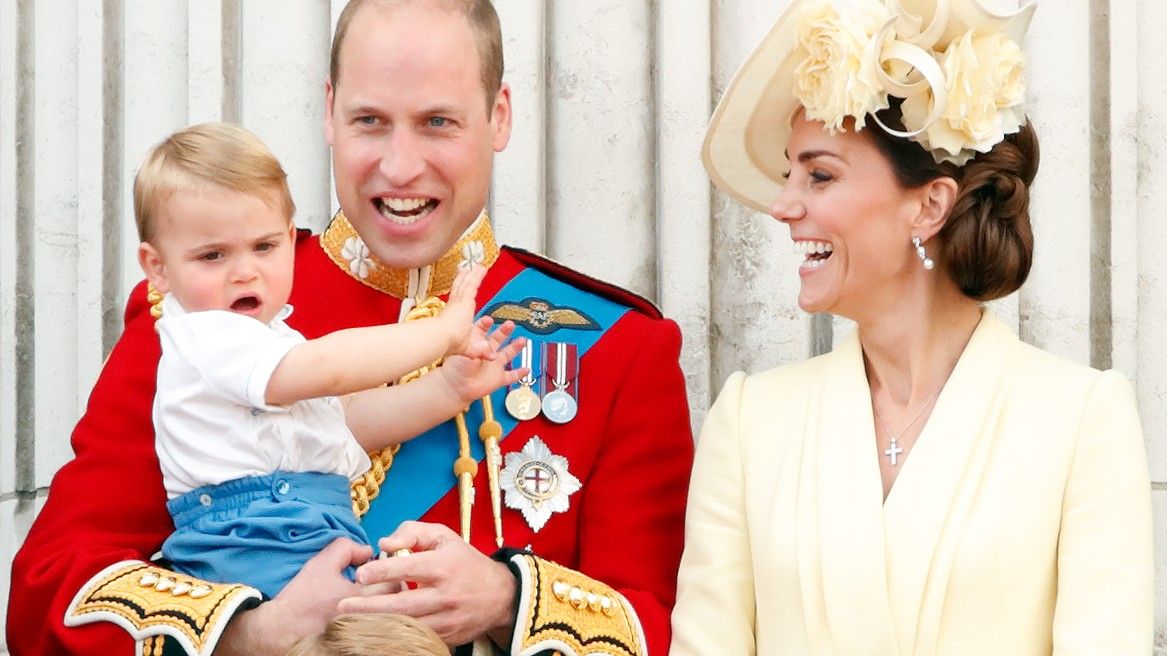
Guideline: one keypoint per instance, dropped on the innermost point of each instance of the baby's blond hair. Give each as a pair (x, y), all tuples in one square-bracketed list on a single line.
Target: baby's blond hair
[(372, 634), (207, 155)]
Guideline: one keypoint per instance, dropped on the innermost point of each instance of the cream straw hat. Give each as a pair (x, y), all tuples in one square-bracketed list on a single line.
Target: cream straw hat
[(956, 63)]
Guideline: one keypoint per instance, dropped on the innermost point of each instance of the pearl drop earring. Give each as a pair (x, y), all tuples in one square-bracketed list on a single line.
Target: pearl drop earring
[(922, 254)]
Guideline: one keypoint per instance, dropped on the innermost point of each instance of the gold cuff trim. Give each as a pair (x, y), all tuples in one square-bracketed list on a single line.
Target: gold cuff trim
[(149, 601), (561, 609), (346, 248)]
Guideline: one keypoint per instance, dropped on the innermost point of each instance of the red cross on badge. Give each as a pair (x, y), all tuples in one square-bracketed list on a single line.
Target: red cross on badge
[(537, 483)]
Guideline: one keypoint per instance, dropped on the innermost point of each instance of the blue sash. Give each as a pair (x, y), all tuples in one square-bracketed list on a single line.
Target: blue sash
[(422, 472)]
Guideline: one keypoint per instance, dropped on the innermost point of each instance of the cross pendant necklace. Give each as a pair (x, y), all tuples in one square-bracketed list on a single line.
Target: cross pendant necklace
[(893, 450)]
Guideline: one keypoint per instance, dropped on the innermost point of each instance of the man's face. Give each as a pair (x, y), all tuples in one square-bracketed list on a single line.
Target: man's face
[(412, 139)]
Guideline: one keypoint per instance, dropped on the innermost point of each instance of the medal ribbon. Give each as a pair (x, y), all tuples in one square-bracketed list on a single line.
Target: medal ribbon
[(561, 358), (526, 359), (421, 473)]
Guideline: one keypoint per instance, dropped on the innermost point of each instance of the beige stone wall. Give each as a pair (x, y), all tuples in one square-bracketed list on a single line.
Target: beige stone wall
[(610, 99)]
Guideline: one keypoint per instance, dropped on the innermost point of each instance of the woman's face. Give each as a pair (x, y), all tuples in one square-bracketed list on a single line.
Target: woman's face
[(850, 219)]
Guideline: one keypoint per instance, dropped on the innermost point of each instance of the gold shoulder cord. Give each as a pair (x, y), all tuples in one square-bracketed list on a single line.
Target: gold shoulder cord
[(154, 298), (366, 488)]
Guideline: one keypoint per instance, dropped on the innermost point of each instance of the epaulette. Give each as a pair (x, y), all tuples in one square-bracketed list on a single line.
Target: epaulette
[(153, 604), (586, 282), (564, 612)]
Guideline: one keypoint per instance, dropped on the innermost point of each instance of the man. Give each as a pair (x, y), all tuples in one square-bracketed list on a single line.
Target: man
[(593, 506)]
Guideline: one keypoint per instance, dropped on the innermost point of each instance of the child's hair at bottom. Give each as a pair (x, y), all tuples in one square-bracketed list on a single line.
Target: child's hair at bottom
[(372, 634)]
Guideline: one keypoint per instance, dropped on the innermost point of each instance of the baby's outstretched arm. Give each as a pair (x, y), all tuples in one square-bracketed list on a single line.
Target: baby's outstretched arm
[(356, 359), (391, 415)]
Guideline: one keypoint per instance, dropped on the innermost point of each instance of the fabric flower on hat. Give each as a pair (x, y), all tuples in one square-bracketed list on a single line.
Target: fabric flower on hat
[(837, 78), (986, 90)]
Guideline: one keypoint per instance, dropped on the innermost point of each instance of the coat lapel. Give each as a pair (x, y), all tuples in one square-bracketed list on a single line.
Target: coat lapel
[(842, 493), (933, 493)]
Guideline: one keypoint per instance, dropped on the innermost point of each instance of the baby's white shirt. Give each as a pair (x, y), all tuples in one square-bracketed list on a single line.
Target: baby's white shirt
[(211, 423)]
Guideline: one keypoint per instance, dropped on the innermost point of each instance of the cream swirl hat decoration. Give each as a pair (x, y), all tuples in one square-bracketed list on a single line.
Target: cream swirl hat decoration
[(957, 65)]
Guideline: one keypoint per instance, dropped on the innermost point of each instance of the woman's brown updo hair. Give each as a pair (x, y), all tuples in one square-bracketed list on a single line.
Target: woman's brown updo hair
[(987, 241)]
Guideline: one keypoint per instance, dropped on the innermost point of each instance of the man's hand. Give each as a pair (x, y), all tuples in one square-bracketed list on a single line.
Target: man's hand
[(301, 609), (473, 378), (459, 593)]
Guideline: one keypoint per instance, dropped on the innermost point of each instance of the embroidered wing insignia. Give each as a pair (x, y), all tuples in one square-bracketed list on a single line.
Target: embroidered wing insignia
[(541, 316)]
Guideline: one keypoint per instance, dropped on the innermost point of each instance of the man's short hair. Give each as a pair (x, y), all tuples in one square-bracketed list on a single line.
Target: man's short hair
[(481, 16), (207, 155), (383, 634)]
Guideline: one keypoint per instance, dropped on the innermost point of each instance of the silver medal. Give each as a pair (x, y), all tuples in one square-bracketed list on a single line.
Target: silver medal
[(558, 405)]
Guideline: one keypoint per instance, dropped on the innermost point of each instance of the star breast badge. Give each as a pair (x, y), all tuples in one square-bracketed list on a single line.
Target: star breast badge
[(537, 482), (541, 317)]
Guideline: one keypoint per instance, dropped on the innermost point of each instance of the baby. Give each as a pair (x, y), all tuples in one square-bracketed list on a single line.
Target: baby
[(379, 634), (259, 431)]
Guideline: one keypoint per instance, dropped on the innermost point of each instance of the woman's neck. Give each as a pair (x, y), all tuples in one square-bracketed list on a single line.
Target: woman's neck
[(910, 350)]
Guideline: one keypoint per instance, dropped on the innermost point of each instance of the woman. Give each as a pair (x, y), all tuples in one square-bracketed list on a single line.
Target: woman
[(933, 485)]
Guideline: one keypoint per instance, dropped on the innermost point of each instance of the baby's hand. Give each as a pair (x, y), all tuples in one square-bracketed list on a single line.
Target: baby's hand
[(467, 337), (474, 377)]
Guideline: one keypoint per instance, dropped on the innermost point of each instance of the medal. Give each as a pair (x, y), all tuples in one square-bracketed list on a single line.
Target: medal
[(522, 402), (559, 405), (537, 482)]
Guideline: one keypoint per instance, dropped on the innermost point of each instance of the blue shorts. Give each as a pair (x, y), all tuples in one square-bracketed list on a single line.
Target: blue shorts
[(260, 530)]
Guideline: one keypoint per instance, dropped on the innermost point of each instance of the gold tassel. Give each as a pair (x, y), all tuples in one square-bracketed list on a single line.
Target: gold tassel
[(465, 468), (490, 432)]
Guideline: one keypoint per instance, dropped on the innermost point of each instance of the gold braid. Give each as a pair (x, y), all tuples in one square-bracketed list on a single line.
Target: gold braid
[(367, 487), (154, 298)]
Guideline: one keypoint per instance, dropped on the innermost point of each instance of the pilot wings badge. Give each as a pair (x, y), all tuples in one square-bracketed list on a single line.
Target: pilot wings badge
[(541, 317), (537, 482)]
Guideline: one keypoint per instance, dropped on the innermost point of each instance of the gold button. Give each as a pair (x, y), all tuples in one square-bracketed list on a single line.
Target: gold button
[(200, 591), (593, 601), (606, 604), (560, 589)]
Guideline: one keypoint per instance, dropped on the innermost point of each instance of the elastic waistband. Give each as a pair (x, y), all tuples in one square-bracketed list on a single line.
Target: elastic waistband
[(312, 487)]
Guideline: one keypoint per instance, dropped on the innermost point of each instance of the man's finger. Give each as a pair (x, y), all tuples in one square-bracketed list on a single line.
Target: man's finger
[(425, 568), (414, 603), (417, 536)]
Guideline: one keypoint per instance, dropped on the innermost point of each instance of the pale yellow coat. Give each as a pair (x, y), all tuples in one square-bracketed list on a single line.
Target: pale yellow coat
[(1019, 525)]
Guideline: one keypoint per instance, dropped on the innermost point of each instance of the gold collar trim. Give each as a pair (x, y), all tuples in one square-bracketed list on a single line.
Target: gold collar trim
[(346, 248)]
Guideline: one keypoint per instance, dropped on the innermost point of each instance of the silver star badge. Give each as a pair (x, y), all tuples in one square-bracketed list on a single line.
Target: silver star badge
[(537, 482)]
